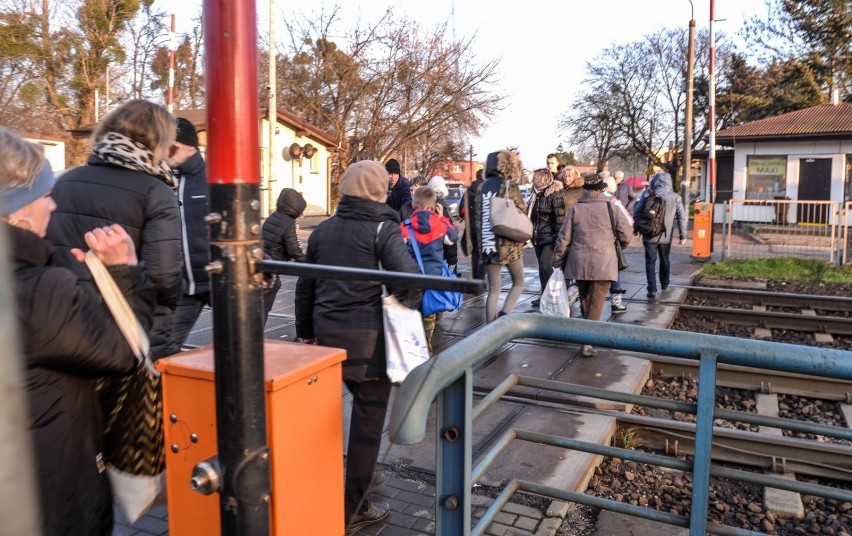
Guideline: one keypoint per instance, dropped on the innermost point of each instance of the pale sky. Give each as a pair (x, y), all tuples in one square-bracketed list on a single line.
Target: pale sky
[(543, 47)]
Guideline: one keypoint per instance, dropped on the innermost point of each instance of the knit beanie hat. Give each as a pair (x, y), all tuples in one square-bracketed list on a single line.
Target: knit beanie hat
[(392, 166), (439, 185), (186, 133), (17, 197), (366, 179), (594, 182)]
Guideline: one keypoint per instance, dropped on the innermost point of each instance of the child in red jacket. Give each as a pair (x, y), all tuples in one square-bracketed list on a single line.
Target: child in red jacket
[(431, 226)]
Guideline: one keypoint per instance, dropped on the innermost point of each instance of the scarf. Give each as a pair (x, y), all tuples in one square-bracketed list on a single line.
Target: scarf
[(119, 150)]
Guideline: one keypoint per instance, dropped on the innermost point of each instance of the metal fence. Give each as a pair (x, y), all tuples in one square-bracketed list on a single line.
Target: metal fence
[(784, 227), (448, 378)]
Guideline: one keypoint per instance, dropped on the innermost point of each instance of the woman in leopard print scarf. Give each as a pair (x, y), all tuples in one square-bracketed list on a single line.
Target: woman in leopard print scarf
[(127, 182)]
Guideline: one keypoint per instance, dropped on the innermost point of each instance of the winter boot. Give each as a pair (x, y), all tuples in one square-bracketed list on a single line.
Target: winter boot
[(617, 302)]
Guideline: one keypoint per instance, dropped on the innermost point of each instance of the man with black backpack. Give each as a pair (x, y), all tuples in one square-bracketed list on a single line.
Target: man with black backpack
[(654, 217)]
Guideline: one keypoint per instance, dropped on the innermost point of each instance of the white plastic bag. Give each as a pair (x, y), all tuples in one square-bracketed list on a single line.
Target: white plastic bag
[(405, 339), (134, 495), (554, 298)]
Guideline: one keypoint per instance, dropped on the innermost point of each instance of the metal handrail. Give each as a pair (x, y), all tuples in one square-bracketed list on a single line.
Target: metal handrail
[(385, 277), (448, 379)]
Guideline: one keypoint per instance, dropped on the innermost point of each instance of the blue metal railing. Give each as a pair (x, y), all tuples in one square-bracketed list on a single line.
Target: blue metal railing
[(448, 379)]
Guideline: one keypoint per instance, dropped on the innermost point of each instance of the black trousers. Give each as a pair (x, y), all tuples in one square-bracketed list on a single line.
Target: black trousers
[(369, 405)]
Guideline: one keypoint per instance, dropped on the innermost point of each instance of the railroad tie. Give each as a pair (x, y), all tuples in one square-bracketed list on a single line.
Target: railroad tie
[(782, 503)]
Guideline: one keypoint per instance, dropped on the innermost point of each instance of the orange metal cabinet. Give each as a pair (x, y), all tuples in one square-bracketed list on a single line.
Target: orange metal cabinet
[(702, 231), (305, 433)]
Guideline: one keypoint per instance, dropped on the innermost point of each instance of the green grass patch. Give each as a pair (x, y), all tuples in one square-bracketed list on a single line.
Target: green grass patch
[(780, 269)]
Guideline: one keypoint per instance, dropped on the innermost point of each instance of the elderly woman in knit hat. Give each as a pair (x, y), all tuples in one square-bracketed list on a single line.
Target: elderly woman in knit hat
[(585, 248), (363, 232), (68, 338)]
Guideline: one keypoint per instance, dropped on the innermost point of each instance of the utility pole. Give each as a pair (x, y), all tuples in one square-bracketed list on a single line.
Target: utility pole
[(711, 160), (272, 116), (471, 165), (170, 102), (687, 130)]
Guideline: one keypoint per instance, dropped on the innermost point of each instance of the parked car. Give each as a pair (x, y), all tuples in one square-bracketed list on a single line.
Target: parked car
[(526, 192), (453, 200)]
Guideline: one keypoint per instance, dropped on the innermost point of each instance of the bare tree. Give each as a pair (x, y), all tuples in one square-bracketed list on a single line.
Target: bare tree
[(145, 35), (386, 88), (634, 101)]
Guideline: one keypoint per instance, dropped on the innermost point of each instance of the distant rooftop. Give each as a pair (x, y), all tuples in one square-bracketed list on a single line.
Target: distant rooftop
[(823, 121)]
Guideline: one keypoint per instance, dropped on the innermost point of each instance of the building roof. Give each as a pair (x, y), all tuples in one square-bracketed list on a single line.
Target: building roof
[(198, 117), (822, 121)]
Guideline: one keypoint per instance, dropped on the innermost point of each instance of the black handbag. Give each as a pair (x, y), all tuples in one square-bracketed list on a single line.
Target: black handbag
[(619, 251)]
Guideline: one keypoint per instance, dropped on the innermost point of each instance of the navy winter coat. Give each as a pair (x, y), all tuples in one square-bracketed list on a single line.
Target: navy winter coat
[(192, 192)]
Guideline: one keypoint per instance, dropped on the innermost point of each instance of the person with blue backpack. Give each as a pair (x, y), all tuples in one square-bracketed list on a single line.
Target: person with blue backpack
[(654, 217), (431, 229)]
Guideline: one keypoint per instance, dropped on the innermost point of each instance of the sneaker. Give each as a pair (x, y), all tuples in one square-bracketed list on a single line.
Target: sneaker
[(617, 301), (376, 513), (536, 302), (652, 294), (588, 351)]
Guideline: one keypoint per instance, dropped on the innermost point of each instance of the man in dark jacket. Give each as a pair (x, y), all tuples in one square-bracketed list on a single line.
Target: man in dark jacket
[(281, 238), (191, 172), (348, 314), (661, 245), (399, 189), (624, 192)]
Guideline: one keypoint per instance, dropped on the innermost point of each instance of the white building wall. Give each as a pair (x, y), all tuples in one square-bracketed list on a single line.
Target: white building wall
[(310, 177)]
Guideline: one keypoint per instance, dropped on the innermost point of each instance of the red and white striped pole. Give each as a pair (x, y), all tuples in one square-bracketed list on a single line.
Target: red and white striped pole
[(711, 160), (170, 102)]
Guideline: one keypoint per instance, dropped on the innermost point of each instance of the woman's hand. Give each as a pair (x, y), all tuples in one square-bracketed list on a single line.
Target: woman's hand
[(111, 244)]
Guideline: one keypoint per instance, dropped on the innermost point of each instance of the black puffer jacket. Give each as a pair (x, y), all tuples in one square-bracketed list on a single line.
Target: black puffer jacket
[(98, 194), (280, 237), (548, 213), (69, 338), (192, 192), (348, 314)]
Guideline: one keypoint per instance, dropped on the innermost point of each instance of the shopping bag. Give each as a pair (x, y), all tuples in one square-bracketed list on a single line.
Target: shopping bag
[(405, 339), (508, 222), (554, 299), (134, 449), (439, 301)]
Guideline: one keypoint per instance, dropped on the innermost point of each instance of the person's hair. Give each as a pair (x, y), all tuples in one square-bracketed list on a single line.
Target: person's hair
[(418, 180), (20, 160), (541, 176), (142, 121), (552, 155), (619, 175), (424, 197), (479, 173)]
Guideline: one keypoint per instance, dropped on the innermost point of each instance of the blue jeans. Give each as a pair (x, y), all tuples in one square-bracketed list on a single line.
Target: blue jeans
[(615, 286), (652, 251)]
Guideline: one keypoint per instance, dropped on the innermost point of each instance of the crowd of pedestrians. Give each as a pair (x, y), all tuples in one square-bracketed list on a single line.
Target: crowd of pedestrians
[(139, 203)]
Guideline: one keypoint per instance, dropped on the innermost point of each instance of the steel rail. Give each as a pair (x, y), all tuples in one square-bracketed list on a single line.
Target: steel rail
[(793, 322), (774, 299), (763, 381)]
